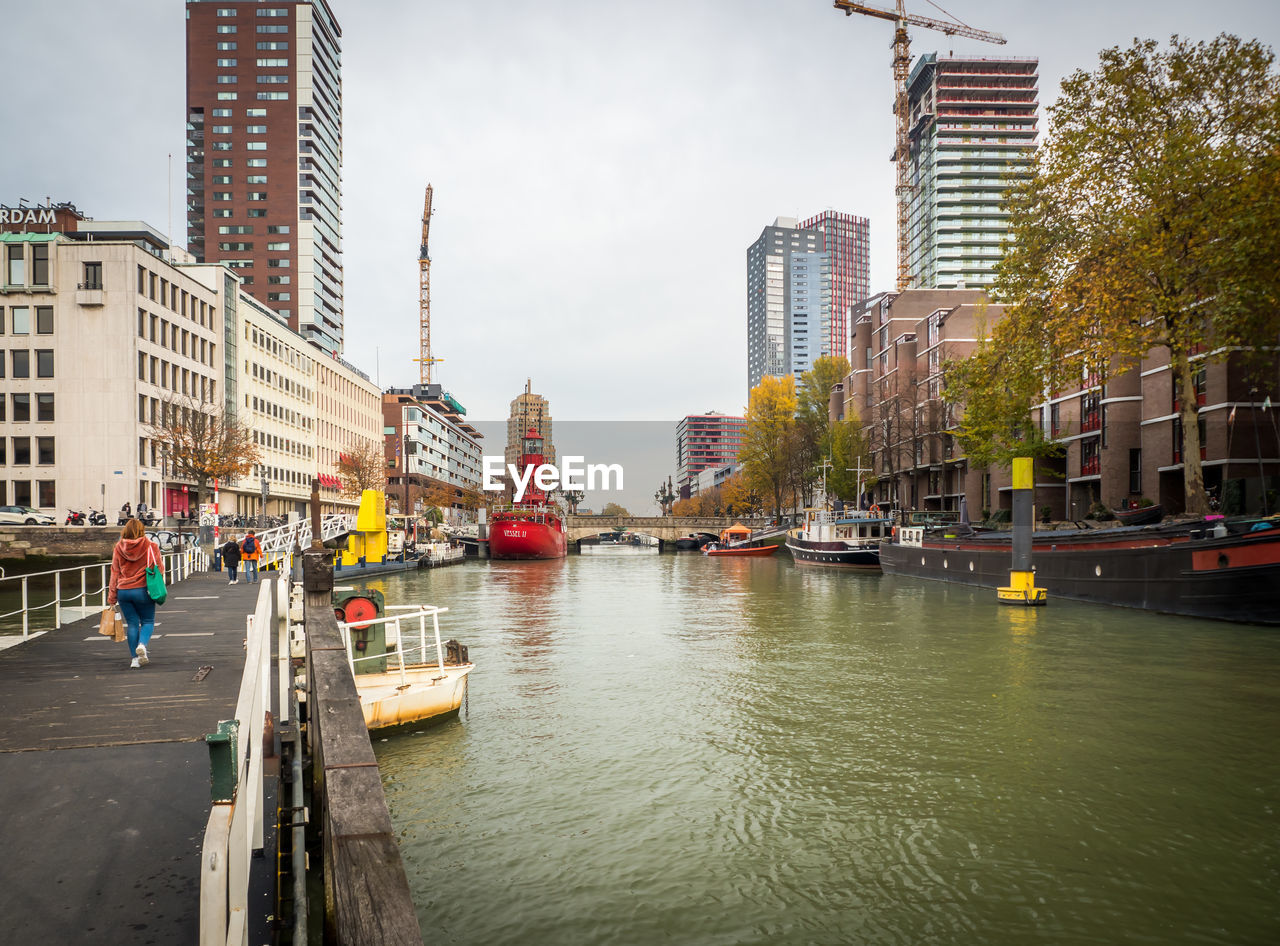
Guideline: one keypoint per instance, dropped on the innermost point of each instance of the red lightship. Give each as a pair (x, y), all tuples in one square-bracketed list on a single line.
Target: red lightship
[(533, 527)]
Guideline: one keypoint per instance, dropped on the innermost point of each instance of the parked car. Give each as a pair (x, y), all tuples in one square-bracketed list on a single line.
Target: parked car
[(25, 516)]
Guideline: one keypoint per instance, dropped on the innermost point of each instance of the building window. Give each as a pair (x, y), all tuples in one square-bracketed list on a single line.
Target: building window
[(256, 212), (222, 146), (235, 247), (22, 491), (226, 11), (228, 96), (273, 80), (44, 408), (222, 212), (48, 494), (226, 63), (278, 263), (282, 228), (255, 113), (273, 29), (255, 146), (273, 64), (93, 275), (44, 320), (222, 179), (273, 96), (228, 80), (21, 320), (256, 163), (227, 46), (256, 195), (17, 274), (39, 264), (21, 408), (278, 247), (226, 29), (239, 228), (22, 453), (277, 44), (21, 363), (1135, 470), (44, 451), (222, 195), (221, 129), (278, 297), (258, 179), (222, 162)]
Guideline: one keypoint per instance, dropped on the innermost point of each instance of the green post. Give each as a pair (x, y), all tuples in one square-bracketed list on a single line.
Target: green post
[(223, 752)]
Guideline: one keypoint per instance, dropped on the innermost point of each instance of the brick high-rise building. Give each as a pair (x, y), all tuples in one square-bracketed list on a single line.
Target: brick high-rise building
[(264, 154), (973, 131), (846, 239)]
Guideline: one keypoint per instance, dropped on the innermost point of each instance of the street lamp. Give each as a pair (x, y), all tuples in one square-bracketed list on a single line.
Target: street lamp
[(262, 516)]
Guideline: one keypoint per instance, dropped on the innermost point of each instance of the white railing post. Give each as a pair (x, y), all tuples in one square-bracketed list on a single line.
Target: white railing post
[(84, 586), (102, 578), (435, 622), (26, 613), (57, 600)]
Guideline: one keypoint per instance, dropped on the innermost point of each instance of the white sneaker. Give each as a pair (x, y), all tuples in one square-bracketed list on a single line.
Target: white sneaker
[(133, 664), (142, 659), (231, 582)]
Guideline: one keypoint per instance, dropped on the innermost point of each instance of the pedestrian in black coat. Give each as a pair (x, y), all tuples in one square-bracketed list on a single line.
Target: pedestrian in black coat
[(231, 558)]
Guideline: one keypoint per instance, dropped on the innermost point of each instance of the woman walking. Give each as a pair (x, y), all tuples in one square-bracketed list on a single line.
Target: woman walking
[(128, 587), (231, 558)]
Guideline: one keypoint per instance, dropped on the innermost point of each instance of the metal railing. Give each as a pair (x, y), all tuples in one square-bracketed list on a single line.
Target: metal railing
[(234, 830), (282, 540), (90, 593), (394, 635)]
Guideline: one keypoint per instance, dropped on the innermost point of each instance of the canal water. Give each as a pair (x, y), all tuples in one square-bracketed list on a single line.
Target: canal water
[(677, 749)]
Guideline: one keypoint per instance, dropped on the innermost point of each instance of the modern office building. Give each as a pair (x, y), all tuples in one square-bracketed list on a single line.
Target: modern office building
[(802, 278), (705, 441), (529, 411), (973, 131), (105, 326), (846, 239), (429, 443), (264, 154)]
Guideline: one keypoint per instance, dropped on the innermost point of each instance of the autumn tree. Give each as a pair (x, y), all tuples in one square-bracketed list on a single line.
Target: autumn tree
[(769, 439), (361, 468), (202, 441), (813, 398), (1151, 220), (737, 498), (613, 509), (850, 463)]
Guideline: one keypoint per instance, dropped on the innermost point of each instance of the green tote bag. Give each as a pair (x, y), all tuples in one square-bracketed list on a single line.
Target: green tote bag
[(156, 590)]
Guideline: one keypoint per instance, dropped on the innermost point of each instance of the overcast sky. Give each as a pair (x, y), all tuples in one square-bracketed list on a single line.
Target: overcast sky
[(599, 168)]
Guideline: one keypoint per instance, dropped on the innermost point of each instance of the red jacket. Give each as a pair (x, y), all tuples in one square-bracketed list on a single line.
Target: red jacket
[(129, 562)]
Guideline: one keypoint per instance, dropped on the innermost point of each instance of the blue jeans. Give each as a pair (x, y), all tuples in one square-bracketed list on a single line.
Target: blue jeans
[(139, 613), (250, 569)]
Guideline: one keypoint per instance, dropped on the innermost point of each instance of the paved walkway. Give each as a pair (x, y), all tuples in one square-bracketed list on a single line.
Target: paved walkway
[(104, 776)]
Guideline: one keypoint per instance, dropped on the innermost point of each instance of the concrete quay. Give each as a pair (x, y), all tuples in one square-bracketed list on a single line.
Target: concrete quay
[(104, 774)]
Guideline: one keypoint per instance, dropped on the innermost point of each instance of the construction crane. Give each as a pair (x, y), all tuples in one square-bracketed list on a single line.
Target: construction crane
[(424, 295), (901, 70)]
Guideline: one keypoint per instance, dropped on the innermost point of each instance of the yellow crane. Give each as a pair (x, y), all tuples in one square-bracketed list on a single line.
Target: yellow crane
[(424, 295), (901, 70)]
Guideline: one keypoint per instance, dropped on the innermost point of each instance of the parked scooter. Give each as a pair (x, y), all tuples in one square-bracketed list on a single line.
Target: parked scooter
[(97, 518), (75, 518)]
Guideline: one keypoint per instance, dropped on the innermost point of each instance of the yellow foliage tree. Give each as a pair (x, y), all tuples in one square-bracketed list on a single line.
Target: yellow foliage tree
[(770, 439)]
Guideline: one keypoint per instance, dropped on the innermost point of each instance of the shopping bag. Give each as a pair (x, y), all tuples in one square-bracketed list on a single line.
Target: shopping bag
[(121, 633), (107, 622), (156, 590)]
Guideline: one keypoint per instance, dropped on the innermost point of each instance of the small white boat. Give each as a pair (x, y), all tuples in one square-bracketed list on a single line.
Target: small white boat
[(403, 672)]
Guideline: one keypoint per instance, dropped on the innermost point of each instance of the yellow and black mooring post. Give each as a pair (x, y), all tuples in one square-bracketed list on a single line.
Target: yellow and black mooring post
[(1022, 580)]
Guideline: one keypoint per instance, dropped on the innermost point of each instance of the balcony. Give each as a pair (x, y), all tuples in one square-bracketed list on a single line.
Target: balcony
[(89, 294)]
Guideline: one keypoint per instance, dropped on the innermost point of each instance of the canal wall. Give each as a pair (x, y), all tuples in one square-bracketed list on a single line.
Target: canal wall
[(46, 542)]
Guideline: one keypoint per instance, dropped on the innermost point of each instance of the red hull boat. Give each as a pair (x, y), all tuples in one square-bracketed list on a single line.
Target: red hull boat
[(756, 550), (532, 528), (521, 534)]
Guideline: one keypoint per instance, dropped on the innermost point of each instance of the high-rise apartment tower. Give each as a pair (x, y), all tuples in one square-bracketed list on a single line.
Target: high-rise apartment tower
[(264, 154), (973, 131), (801, 281)]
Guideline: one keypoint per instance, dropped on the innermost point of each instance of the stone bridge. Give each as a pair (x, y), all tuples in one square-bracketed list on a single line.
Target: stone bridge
[(666, 528)]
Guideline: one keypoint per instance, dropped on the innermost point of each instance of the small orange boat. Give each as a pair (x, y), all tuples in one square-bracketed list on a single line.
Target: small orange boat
[(757, 550)]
